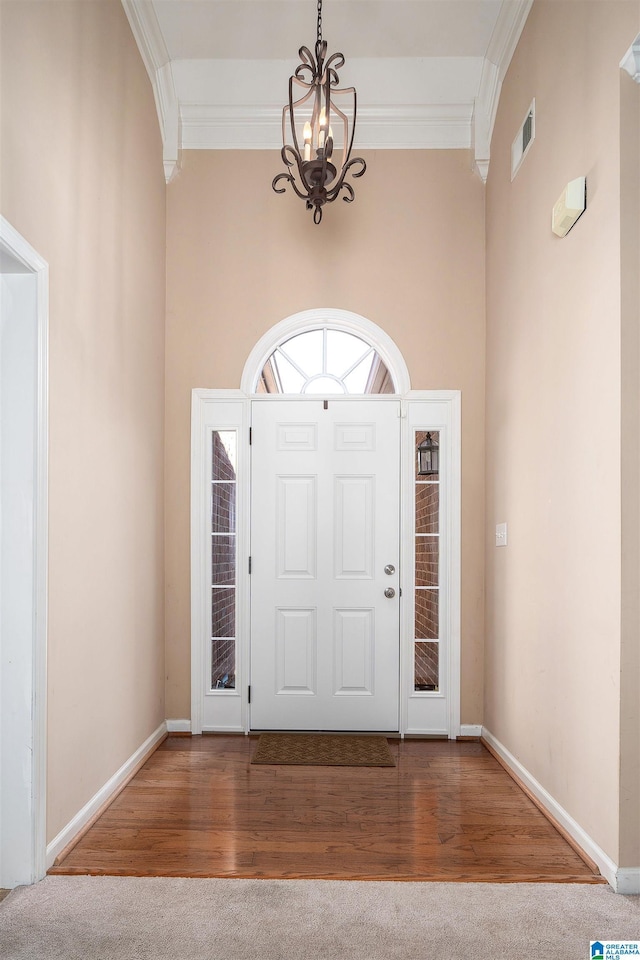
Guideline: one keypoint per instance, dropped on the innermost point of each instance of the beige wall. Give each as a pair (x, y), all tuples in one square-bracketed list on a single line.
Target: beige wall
[(408, 254), (82, 181), (554, 415)]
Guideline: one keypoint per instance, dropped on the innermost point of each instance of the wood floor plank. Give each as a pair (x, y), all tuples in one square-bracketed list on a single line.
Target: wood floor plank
[(446, 811)]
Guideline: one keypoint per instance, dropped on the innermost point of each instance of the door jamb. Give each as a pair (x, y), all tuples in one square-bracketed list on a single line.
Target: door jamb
[(18, 251)]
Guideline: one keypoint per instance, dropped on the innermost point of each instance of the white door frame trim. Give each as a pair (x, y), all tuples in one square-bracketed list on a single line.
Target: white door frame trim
[(13, 245), (218, 410), (234, 715), (233, 705), (231, 409), (435, 410)]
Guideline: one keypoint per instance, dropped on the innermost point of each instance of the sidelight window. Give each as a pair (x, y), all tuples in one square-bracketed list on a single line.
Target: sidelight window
[(427, 566), (224, 444)]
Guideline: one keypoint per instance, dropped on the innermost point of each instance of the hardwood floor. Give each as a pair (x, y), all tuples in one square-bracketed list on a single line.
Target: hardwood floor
[(446, 811)]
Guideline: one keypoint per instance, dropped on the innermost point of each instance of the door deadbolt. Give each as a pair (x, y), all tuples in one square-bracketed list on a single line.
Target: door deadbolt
[(389, 593), (389, 569)]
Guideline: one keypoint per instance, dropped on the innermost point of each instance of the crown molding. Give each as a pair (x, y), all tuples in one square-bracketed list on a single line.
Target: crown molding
[(504, 40), (631, 60), (222, 107), (169, 114), (387, 127), (155, 56), (484, 111), (230, 127), (415, 127), (146, 30), (400, 124)]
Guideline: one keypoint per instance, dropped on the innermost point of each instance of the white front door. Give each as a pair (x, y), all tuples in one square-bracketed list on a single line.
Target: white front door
[(325, 547)]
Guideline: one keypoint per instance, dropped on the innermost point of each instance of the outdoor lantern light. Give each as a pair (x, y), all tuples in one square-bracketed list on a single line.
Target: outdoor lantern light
[(320, 124), (428, 457)]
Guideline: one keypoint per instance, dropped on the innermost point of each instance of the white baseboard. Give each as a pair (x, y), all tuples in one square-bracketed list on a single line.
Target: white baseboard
[(103, 795), (179, 726), (470, 730), (622, 880)]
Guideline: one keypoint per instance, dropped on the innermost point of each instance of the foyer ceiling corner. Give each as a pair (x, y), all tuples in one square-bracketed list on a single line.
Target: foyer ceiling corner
[(428, 72)]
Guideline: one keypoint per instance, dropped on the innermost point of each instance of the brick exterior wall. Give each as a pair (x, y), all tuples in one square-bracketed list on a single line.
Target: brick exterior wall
[(426, 666)]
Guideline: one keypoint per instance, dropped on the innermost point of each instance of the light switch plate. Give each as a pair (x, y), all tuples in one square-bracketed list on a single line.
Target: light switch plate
[(501, 534)]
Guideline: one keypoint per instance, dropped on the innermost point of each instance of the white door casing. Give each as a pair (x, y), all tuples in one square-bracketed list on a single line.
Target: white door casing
[(325, 523), (420, 711), (23, 558), (435, 713), (217, 710)]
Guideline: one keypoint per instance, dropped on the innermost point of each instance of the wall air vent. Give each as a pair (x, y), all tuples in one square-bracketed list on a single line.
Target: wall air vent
[(524, 138), (527, 131)]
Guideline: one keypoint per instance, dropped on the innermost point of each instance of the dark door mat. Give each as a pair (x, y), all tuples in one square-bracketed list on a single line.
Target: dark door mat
[(323, 750)]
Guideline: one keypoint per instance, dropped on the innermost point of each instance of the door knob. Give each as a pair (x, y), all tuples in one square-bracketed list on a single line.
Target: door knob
[(389, 569), (389, 593)]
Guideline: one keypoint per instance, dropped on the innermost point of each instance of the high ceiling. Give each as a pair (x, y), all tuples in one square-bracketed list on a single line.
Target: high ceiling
[(274, 29), (428, 72)]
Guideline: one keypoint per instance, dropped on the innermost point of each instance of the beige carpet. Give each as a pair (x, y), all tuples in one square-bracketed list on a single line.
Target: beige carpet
[(109, 918), (321, 749)]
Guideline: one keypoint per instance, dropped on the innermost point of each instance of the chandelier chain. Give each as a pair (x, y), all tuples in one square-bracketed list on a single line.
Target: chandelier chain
[(319, 35)]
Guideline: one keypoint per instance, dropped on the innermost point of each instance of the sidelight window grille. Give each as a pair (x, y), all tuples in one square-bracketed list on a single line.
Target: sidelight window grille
[(224, 445), (427, 575)]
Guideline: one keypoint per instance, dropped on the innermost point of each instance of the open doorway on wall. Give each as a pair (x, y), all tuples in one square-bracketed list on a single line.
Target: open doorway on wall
[(23, 558), (630, 463)]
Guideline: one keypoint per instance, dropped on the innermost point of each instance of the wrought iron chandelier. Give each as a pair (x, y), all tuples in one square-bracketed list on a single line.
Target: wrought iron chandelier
[(318, 161)]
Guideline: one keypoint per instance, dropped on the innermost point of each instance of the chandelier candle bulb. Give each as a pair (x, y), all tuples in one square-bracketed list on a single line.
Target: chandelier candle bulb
[(307, 141), (323, 128)]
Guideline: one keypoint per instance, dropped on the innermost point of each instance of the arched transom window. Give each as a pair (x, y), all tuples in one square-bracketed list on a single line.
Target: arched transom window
[(324, 361)]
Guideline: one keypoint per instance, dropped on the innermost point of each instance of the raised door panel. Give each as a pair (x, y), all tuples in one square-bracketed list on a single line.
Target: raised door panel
[(296, 651), (354, 652), (296, 525), (293, 437), (354, 437), (354, 527)]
